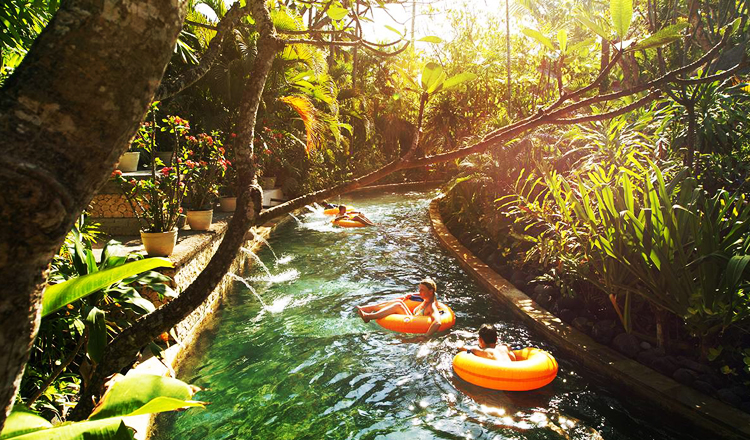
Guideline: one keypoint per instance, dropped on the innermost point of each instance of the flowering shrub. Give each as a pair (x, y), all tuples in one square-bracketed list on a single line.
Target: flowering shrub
[(228, 182), (206, 166), (156, 202)]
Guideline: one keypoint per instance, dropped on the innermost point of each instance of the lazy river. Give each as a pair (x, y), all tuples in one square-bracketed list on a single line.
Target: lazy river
[(302, 365)]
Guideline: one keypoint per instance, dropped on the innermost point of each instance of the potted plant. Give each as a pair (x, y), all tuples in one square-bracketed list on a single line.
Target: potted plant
[(206, 165), (156, 202), (129, 160)]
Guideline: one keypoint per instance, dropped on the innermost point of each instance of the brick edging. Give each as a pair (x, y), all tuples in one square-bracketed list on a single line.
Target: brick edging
[(696, 409)]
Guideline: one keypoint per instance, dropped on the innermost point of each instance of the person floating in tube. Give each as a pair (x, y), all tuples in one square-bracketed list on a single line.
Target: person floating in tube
[(488, 346), (428, 307), (352, 215)]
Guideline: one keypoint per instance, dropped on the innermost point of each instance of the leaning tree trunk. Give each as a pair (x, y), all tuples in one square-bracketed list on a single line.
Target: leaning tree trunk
[(66, 116), (126, 345)]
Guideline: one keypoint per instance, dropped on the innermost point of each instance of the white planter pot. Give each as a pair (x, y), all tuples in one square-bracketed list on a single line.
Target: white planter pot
[(165, 156), (159, 244), (200, 220), (129, 161), (227, 204), (268, 182)]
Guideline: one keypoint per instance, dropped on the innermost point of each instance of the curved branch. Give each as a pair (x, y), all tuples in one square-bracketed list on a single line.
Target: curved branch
[(609, 115), (120, 352)]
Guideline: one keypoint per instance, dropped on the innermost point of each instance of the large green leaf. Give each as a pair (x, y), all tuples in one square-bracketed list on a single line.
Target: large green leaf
[(622, 14), (337, 12), (108, 429), (59, 295), (538, 36), (132, 395), (97, 334), (413, 84), (138, 394), (461, 78), (562, 40), (593, 26), (432, 75), (662, 37), (431, 39), (400, 34), (22, 421)]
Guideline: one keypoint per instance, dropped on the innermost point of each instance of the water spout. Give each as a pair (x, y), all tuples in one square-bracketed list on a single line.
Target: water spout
[(243, 281), (299, 222), (257, 258), (264, 241)]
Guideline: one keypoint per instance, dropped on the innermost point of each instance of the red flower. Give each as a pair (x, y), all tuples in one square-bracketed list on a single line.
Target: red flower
[(165, 171), (132, 182), (234, 135), (203, 163), (221, 150), (266, 151), (180, 211), (190, 164), (116, 173)]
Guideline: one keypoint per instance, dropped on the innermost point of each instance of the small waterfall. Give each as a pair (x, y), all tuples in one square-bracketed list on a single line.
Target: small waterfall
[(243, 281), (264, 241), (257, 258), (299, 222)]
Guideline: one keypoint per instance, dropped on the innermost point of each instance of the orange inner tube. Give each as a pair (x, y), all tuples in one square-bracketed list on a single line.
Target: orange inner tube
[(349, 223), (534, 368), (417, 324)]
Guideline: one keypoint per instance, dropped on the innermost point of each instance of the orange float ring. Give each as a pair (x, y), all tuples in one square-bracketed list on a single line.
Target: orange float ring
[(417, 324), (532, 369), (349, 223)]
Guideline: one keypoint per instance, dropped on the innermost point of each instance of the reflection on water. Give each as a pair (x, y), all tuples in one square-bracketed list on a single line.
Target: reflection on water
[(306, 367)]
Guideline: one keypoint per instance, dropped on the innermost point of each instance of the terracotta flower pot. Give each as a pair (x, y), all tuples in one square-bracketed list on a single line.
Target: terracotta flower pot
[(227, 204), (200, 220), (159, 244), (268, 182), (129, 161)]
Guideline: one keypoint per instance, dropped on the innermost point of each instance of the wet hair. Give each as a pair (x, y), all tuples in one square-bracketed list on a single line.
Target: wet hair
[(342, 208), (488, 334), (430, 284)]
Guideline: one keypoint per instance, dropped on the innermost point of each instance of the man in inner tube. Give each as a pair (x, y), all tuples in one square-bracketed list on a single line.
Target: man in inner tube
[(488, 347), (352, 215)]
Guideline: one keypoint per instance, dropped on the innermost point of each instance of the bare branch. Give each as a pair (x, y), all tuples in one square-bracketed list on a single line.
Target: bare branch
[(203, 25), (718, 77), (609, 115)]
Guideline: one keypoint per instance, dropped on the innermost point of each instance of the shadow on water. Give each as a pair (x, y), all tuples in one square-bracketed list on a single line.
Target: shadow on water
[(304, 366)]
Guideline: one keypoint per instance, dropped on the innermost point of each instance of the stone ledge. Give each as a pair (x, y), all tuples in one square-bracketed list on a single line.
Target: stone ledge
[(695, 409)]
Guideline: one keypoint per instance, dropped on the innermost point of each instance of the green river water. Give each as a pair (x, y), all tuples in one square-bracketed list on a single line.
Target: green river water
[(306, 367)]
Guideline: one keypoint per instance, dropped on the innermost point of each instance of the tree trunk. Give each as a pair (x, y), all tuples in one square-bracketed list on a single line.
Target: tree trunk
[(123, 349), (67, 114), (507, 48)]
